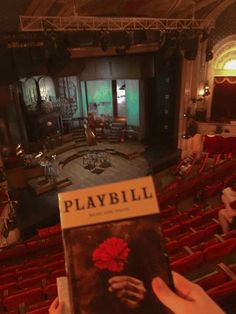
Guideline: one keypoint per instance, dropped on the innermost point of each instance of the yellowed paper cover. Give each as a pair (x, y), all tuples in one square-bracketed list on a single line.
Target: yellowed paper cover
[(110, 202)]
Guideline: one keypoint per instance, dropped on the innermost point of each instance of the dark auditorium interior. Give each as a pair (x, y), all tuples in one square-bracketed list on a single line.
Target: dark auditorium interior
[(96, 92)]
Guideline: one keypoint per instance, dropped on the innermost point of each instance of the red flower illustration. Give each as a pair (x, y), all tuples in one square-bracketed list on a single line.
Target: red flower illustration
[(111, 254)]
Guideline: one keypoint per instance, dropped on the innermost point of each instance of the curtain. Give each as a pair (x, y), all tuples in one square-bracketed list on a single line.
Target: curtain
[(224, 99), (219, 145)]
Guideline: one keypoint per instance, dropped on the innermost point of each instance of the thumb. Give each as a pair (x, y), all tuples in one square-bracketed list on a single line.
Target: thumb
[(166, 295)]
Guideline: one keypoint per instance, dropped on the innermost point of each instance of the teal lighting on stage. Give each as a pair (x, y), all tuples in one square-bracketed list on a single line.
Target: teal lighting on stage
[(99, 95), (132, 102)]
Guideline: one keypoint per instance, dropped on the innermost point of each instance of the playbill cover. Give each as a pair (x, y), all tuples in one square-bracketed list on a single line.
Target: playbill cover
[(113, 248)]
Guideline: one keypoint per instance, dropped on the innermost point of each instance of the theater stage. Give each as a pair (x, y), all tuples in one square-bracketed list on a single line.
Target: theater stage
[(127, 160)]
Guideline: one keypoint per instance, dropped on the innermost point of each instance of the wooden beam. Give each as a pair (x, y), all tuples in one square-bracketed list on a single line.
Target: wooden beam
[(39, 8)]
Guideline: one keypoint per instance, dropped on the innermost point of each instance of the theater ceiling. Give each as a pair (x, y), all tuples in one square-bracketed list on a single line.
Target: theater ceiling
[(200, 9)]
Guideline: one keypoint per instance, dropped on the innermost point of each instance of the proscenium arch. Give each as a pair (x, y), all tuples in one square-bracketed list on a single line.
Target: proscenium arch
[(224, 51)]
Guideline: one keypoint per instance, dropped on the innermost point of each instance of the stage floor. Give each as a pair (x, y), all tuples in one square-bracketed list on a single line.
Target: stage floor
[(123, 165), (131, 160)]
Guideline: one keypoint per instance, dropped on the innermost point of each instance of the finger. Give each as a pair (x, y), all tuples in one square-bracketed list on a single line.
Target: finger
[(138, 295), (166, 296), (131, 304), (125, 285), (54, 303), (134, 296), (116, 279), (183, 286)]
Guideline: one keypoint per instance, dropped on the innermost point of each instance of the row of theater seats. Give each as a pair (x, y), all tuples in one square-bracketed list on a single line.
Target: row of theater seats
[(193, 237), (194, 240), (210, 182), (220, 285), (28, 273), (29, 270)]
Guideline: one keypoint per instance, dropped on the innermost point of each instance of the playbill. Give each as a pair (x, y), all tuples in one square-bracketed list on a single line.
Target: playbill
[(113, 248)]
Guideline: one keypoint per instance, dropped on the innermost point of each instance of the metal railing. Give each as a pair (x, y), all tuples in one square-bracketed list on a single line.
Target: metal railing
[(92, 23)]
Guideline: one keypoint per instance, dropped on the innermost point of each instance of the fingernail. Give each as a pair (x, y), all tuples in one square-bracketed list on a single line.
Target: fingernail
[(157, 282)]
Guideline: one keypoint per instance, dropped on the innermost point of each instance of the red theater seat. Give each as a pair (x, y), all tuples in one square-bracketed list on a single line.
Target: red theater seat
[(52, 241), (188, 263), (54, 265), (193, 238), (168, 212), (202, 246), (207, 216), (224, 293), (230, 234), (55, 229), (193, 222), (8, 277), (219, 249), (51, 291), (35, 281), (34, 245), (28, 272), (172, 247), (42, 310), (56, 256), (8, 288), (172, 231), (212, 229), (58, 273), (178, 218), (195, 210), (18, 250), (212, 280), (43, 232), (27, 297)]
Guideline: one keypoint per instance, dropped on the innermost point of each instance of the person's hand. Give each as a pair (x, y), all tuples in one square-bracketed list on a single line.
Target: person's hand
[(128, 289), (230, 212), (55, 307), (189, 297)]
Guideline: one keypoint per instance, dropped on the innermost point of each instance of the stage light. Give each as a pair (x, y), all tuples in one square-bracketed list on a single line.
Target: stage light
[(209, 48), (104, 40), (201, 92), (38, 155), (205, 35)]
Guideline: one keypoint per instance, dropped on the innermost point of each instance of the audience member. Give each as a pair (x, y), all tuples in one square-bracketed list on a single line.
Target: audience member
[(227, 214)]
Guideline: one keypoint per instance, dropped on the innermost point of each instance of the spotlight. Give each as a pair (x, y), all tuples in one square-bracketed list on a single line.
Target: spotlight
[(128, 39), (104, 40), (209, 53), (205, 35), (121, 50)]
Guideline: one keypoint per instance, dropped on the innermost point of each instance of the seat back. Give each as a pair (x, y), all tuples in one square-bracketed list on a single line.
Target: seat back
[(172, 247), (51, 291), (172, 231), (224, 293), (42, 310), (219, 249), (27, 297), (188, 263), (212, 229), (193, 238), (212, 280)]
